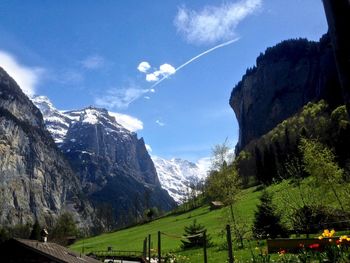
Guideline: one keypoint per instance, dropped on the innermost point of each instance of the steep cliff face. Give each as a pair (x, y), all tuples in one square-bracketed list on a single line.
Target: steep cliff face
[(110, 148), (35, 179), (284, 79), (113, 165)]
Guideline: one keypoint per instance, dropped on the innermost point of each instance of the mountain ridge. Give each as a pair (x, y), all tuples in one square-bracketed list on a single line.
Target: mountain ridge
[(113, 165)]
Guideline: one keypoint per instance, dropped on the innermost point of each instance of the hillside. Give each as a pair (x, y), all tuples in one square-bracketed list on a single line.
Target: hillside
[(286, 199), (215, 221), (266, 158)]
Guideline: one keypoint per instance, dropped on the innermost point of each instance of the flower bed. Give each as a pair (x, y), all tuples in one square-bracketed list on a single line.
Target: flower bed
[(296, 244)]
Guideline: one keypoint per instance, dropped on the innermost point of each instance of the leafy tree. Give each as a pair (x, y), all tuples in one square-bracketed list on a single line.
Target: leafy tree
[(35, 233), (221, 156), (224, 184), (65, 227), (194, 236), (319, 163), (240, 228), (105, 213), (267, 224), (4, 234), (17, 231), (151, 213)]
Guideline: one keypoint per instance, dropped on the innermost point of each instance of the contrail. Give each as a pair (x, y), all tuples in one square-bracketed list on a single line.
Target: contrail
[(195, 58)]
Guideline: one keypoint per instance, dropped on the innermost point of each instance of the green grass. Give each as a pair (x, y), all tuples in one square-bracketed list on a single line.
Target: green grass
[(215, 222)]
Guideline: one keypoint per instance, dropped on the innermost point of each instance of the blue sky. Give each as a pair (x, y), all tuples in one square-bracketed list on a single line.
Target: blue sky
[(81, 53)]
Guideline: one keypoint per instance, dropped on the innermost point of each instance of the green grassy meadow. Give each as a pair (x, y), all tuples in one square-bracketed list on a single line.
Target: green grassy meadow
[(173, 224), (215, 222)]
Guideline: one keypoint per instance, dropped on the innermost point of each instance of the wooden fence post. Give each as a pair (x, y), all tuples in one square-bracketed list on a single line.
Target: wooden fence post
[(159, 249), (205, 246), (145, 248), (149, 248), (229, 244)]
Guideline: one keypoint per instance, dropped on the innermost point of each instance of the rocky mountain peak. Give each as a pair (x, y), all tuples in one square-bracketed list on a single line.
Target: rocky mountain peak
[(113, 164), (15, 101)]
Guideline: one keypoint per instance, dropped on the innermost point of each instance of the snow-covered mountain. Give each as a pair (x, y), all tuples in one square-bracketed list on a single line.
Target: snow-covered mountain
[(58, 122), (176, 175), (112, 163)]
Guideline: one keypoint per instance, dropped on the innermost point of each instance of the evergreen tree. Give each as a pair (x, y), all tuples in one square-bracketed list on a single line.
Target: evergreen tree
[(35, 233), (194, 236), (267, 224)]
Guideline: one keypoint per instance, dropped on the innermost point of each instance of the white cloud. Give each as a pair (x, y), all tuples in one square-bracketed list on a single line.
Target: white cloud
[(128, 122), (160, 123), (93, 62), (148, 147), (204, 165), (165, 70), (152, 77), (26, 77), (144, 66), (213, 23), (121, 98)]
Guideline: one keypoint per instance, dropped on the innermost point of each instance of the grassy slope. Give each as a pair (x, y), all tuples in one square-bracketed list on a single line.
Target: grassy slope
[(285, 197), (214, 221)]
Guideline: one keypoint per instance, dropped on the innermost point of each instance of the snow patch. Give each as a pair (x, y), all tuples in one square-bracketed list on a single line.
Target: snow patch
[(176, 175)]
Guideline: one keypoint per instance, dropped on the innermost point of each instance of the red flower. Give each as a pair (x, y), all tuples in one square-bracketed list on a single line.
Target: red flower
[(314, 246)]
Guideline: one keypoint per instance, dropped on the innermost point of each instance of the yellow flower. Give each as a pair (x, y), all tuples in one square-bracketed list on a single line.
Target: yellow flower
[(332, 232), (344, 238), (320, 237), (327, 233)]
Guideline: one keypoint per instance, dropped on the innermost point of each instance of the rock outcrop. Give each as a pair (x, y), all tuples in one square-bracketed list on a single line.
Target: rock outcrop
[(286, 77), (36, 181)]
